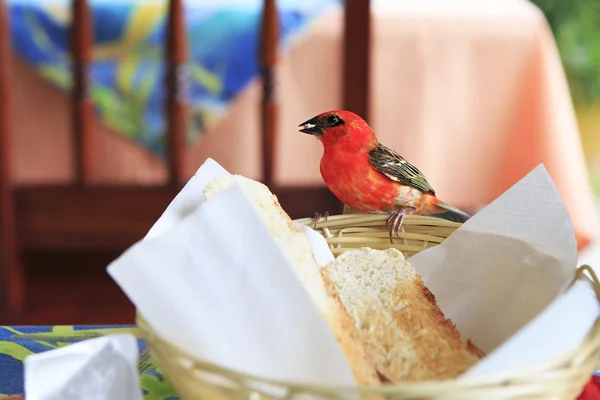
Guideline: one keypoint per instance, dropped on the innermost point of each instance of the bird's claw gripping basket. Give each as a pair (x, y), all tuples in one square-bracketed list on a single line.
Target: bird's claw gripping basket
[(563, 378)]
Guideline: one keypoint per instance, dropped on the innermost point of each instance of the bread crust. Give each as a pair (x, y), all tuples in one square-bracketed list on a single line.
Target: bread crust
[(440, 351), (403, 331), (473, 349), (350, 339)]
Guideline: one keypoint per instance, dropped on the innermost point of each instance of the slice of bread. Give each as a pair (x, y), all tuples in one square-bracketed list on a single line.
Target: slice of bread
[(296, 246), (403, 330), (386, 321)]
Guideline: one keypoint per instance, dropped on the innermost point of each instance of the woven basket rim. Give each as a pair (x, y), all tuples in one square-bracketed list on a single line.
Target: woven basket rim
[(388, 388), (333, 221), (336, 220)]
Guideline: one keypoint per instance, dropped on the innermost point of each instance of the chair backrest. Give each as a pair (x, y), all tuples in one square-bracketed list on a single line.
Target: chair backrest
[(355, 71), (356, 62), (357, 57), (176, 107), (9, 291), (82, 131), (269, 38), (355, 74)]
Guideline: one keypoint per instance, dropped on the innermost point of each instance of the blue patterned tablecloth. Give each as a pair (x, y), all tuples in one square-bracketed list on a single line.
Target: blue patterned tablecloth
[(16, 343), (127, 72)]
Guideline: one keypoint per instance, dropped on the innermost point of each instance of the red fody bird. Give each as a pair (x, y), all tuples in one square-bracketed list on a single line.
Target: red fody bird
[(368, 177)]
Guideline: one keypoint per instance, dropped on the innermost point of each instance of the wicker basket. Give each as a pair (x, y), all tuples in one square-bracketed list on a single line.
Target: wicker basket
[(562, 379), (344, 232)]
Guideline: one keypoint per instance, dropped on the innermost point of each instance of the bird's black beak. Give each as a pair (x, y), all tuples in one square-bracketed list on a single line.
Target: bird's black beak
[(311, 127)]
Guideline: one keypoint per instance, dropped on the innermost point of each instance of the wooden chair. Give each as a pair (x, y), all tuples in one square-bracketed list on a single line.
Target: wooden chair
[(84, 217)]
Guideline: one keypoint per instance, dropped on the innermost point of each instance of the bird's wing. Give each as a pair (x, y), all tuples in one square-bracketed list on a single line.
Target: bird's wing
[(392, 165)]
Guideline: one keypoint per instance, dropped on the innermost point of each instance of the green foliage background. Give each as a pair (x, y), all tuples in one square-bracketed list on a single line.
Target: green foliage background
[(576, 28)]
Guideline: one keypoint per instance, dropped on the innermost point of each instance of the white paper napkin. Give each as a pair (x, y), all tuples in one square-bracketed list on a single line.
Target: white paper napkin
[(192, 195), (319, 245), (104, 368), (510, 262), (188, 199), (217, 285)]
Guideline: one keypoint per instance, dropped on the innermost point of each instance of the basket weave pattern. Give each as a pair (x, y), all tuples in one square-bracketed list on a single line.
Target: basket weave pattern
[(562, 379), (343, 232)]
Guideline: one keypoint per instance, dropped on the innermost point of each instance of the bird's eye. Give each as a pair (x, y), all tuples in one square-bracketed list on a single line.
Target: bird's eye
[(333, 120)]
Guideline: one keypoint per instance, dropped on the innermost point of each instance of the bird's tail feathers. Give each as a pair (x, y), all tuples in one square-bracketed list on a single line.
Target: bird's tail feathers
[(451, 213)]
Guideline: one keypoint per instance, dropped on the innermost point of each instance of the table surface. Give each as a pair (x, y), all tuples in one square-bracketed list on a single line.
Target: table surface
[(18, 342)]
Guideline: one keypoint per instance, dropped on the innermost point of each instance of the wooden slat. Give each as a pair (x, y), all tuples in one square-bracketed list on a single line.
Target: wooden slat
[(176, 107), (11, 276), (269, 38), (88, 218), (112, 218), (85, 143), (357, 57), (108, 218)]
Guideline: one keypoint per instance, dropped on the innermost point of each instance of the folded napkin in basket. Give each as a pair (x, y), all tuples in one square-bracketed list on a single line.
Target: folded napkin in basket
[(501, 278), (215, 283)]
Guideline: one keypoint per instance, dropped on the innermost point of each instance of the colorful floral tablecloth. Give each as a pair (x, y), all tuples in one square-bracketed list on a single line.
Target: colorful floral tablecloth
[(127, 70), (16, 343)]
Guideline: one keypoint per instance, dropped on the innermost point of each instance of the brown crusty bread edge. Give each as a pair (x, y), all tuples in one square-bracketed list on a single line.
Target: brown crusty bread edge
[(403, 330), (350, 340)]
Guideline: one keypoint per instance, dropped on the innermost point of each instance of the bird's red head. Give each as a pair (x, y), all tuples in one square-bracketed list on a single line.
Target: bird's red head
[(340, 128)]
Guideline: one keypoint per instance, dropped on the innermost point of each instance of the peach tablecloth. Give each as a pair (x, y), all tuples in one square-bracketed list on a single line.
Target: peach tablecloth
[(471, 91)]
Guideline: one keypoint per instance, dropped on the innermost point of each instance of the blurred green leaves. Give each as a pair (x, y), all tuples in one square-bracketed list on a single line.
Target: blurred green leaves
[(576, 28), (557, 11)]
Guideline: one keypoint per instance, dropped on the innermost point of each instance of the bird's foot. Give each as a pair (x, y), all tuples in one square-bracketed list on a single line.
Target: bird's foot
[(395, 221), (318, 217)]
